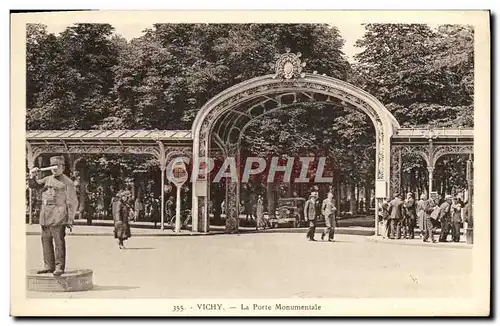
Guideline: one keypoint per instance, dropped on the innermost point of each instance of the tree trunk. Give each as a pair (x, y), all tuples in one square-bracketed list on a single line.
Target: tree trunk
[(270, 199), (358, 199), (352, 202), (337, 195), (368, 196)]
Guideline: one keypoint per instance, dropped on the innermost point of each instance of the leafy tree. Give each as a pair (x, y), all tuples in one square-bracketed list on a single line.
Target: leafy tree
[(424, 76), (74, 92)]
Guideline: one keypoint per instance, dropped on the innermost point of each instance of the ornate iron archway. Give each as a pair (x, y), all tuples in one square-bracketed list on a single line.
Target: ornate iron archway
[(227, 114)]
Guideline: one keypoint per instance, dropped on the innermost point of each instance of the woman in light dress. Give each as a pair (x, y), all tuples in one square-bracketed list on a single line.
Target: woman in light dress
[(260, 213)]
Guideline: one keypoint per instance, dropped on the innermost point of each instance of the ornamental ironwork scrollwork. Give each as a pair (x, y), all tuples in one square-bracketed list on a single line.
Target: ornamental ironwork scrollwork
[(176, 152), (29, 156), (233, 214), (441, 150), (420, 150), (381, 154), (89, 149), (395, 181), (38, 150), (232, 194), (397, 154)]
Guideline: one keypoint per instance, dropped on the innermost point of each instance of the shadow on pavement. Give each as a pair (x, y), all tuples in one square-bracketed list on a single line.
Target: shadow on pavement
[(113, 288), (132, 248)]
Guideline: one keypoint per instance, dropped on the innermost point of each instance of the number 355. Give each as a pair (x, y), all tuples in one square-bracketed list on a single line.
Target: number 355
[(178, 308)]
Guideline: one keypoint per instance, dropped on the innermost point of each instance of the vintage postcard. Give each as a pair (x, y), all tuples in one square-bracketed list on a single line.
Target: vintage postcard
[(250, 163)]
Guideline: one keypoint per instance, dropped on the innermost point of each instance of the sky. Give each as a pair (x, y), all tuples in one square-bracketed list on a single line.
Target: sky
[(350, 33)]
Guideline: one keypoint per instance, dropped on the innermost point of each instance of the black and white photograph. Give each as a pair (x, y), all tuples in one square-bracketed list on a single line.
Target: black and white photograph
[(247, 168)]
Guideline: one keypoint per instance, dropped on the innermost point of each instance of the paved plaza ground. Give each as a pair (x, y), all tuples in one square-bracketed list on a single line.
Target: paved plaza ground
[(264, 265)]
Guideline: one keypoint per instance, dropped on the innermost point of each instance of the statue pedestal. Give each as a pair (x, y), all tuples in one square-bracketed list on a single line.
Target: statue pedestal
[(70, 281)]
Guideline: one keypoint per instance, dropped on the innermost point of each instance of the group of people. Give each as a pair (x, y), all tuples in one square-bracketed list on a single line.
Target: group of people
[(312, 211), (144, 208), (401, 217), (150, 208), (252, 211), (98, 204), (255, 212)]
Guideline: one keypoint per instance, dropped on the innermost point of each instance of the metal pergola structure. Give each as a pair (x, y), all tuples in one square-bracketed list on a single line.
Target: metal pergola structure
[(430, 144), (161, 144)]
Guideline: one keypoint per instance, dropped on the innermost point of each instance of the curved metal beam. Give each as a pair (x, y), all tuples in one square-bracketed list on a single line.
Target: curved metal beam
[(261, 103), (334, 84), (224, 121)]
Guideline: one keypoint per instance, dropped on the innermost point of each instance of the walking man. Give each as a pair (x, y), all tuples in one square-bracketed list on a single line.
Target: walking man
[(59, 204), (310, 215), (329, 211)]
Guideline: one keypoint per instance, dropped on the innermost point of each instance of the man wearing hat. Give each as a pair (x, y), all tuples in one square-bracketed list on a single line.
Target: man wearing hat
[(310, 215), (59, 205), (410, 216), (445, 218), (396, 216), (329, 211)]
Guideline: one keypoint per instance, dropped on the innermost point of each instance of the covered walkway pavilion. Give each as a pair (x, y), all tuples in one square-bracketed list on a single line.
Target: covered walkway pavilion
[(164, 145)]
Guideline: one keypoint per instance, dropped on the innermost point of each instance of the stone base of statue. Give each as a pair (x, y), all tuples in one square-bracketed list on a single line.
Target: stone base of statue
[(70, 281)]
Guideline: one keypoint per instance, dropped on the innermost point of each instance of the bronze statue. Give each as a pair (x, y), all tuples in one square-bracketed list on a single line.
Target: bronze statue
[(59, 205)]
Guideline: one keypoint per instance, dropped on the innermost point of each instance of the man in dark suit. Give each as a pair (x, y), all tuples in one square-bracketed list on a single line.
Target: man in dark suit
[(410, 216), (329, 210), (59, 204), (396, 216), (310, 215), (385, 218), (445, 218)]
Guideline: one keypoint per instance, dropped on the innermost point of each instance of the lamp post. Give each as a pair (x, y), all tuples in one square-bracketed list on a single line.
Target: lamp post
[(178, 177), (156, 138)]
